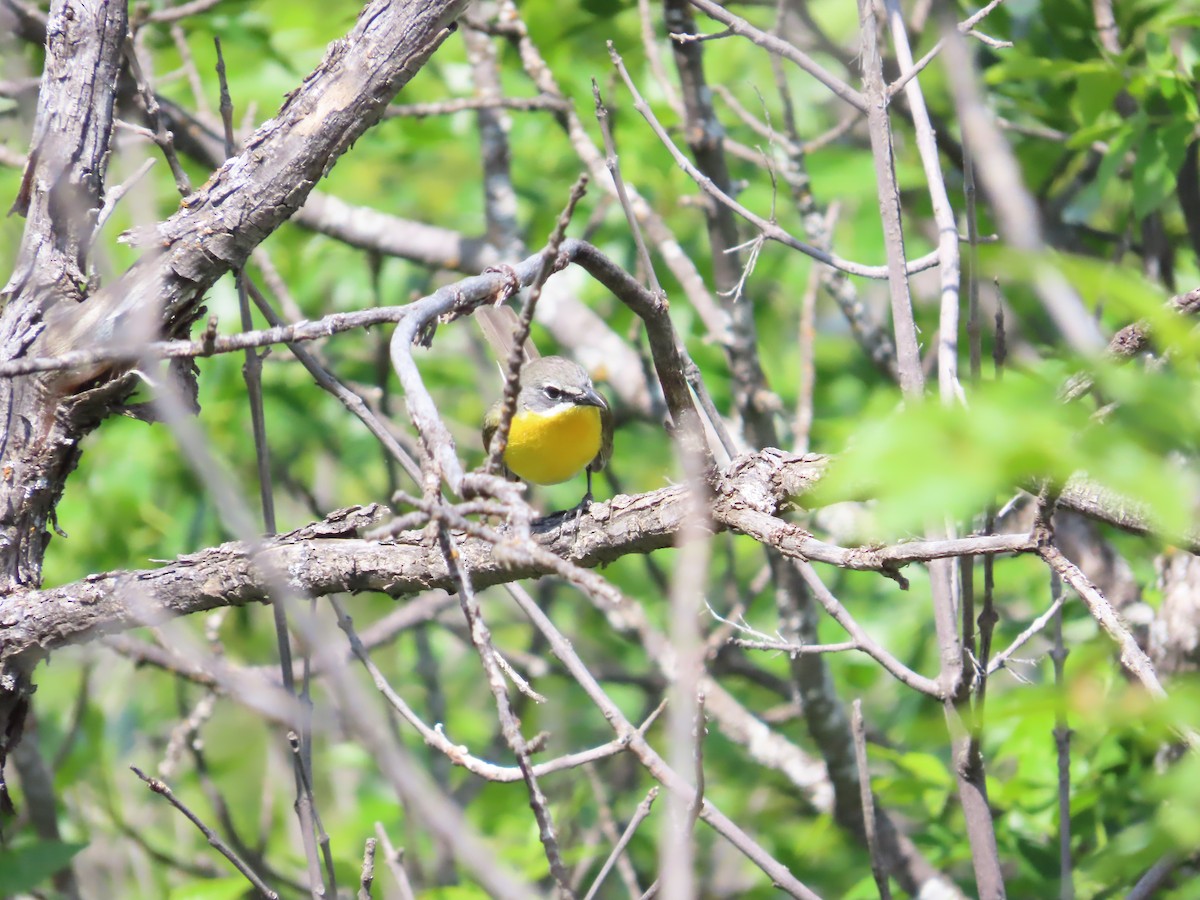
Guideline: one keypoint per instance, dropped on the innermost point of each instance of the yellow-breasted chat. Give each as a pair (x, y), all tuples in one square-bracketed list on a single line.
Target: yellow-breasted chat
[(561, 425)]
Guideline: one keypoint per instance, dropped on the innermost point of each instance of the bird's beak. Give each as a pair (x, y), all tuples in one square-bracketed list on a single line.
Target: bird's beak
[(591, 398)]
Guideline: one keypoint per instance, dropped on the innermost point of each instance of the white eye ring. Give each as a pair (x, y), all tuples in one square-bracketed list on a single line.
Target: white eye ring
[(552, 392)]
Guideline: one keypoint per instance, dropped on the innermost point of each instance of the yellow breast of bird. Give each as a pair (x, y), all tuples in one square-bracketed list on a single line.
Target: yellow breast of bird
[(548, 449)]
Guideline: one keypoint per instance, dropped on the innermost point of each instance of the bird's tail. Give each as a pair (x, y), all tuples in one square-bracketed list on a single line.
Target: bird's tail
[(499, 326)]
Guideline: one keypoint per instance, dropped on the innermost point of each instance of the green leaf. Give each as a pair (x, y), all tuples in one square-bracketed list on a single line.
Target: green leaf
[(926, 767), (1030, 68), (927, 460), (1129, 135), (1105, 127), (1183, 20), (1159, 55), (1156, 164), (1095, 91), (25, 867), (230, 888), (604, 8)]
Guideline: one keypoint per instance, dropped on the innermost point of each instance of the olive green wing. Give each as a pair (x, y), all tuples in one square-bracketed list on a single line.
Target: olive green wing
[(606, 440), (491, 422)]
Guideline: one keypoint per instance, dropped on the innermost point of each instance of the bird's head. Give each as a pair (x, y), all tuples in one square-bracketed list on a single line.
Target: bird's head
[(553, 384)]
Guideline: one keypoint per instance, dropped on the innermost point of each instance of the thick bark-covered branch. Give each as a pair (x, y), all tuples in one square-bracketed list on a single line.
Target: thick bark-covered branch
[(257, 190), (60, 194), (327, 558)]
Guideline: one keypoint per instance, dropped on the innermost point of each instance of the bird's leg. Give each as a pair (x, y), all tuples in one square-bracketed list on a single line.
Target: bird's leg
[(584, 505)]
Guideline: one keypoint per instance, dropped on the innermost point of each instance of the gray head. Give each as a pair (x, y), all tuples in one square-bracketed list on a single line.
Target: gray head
[(553, 384)]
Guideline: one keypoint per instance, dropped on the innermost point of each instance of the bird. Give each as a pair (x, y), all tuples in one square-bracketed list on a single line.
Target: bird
[(562, 425)]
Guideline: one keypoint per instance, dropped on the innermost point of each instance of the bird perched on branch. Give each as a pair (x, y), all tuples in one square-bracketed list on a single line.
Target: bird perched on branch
[(561, 424)]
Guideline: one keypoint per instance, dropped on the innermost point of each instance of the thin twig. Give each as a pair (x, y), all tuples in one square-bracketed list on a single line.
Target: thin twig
[(252, 365), (608, 829), (794, 649), (182, 11), (669, 248), (1148, 885), (436, 737), (691, 370), (643, 810), (654, 58), (367, 876), (943, 214), (769, 229), (964, 27), (191, 71), (863, 641), (990, 667), (782, 48), (493, 124), (614, 169), (974, 324), (988, 617), (1133, 658), (113, 195), (806, 340), (1015, 209), (712, 416), (207, 345), (1062, 744), (394, 859), (670, 779), (252, 373), (908, 352), (466, 104), (516, 358), (160, 787), (312, 361), (306, 808), (481, 638), (868, 800), (160, 135), (759, 127)]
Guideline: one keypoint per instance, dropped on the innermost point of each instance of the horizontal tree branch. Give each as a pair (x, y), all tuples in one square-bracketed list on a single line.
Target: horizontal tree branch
[(462, 104), (208, 344), (329, 557), (571, 322)]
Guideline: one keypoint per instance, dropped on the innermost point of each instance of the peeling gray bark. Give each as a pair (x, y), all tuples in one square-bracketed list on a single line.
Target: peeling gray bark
[(1175, 631), (61, 191)]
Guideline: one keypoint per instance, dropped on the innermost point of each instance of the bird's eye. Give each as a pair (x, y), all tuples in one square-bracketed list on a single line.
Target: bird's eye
[(552, 392)]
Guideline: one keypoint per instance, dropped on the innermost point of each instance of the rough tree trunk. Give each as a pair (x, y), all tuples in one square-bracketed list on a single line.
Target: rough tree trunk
[(49, 307)]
